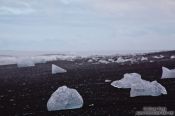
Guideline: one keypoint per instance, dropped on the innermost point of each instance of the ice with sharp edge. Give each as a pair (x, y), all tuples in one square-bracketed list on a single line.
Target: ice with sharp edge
[(127, 81), (138, 86), (56, 69), (167, 73), (146, 88)]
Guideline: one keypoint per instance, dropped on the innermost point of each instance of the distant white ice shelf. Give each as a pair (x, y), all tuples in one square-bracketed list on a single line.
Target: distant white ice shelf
[(25, 62)]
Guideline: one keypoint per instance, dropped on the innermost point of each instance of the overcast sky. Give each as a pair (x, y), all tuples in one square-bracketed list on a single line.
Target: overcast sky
[(87, 25)]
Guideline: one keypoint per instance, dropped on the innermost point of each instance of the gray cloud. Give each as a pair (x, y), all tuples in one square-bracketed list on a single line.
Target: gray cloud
[(17, 7), (5, 10), (87, 24), (135, 9)]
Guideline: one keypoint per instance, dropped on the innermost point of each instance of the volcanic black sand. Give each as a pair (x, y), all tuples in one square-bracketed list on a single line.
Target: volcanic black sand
[(25, 91)]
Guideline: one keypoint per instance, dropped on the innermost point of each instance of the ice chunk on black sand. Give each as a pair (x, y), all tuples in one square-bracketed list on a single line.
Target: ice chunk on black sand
[(64, 98)]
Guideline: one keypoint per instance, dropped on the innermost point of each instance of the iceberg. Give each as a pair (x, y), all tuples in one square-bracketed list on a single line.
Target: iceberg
[(57, 69), (139, 87), (64, 98), (167, 73), (146, 88), (127, 81), (25, 62)]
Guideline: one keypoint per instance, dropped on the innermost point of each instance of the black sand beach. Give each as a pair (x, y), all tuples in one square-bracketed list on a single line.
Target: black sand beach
[(25, 91)]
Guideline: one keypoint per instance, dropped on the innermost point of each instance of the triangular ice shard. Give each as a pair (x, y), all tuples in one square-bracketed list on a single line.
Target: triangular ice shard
[(57, 69), (167, 73)]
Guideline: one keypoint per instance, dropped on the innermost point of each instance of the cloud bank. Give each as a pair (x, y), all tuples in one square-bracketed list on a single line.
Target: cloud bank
[(18, 7), (73, 25)]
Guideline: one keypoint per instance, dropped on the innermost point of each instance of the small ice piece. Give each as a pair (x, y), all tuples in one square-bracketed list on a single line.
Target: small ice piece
[(111, 60), (121, 60), (95, 58), (127, 81), (158, 57), (107, 81), (151, 61), (91, 105), (103, 61), (90, 60), (144, 58), (1, 96), (57, 69), (25, 62), (172, 57), (167, 73), (11, 100), (64, 98), (146, 88)]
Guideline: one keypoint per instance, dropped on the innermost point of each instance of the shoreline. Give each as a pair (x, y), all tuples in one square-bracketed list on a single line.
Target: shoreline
[(25, 91)]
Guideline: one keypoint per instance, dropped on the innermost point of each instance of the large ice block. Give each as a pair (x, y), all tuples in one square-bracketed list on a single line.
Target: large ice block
[(127, 81), (167, 73), (64, 98), (146, 88)]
